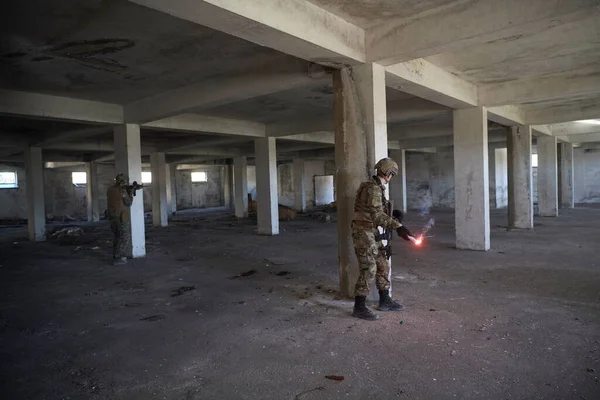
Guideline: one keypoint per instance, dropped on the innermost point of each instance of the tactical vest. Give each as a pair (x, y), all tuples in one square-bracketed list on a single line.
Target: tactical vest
[(363, 201), (117, 210)]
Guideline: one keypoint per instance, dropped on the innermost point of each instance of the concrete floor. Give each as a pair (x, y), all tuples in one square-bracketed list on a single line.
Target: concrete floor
[(521, 321)]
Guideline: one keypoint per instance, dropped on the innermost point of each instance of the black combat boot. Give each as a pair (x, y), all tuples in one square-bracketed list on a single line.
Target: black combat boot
[(387, 304), (361, 310)]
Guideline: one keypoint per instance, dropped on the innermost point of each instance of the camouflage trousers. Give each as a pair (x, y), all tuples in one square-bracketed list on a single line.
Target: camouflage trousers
[(371, 262), (121, 238)]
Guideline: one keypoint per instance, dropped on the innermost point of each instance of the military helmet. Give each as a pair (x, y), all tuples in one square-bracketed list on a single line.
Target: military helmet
[(121, 179), (386, 166)]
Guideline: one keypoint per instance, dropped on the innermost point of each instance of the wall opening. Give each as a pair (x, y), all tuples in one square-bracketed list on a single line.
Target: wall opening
[(323, 185), (79, 178), (534, 160), (198, 177), (9, 180), (146, 177)]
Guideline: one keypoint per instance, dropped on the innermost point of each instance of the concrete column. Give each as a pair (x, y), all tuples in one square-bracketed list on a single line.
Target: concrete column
[(398, 184), (267, 211), (471, 179), (520, 190), (160, 206), (229, 188), (93, 210), (360, 141), (172, 188), (566, 176), (128, 160), (240, 181), (36, 211), (547, 178), (169, 188), (500, 177), (299, 185)]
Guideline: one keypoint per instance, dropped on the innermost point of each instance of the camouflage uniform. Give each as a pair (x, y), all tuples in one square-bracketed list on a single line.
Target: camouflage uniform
[(370, 212), (119, 199)]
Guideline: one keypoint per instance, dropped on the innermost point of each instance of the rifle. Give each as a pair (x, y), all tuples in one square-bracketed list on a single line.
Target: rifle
[(134, 187)]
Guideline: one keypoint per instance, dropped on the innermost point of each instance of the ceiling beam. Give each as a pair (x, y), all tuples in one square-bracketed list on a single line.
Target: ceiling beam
[(225, 89), (295, 27), (572, 111), (585, 137), (206, 124), (42, 106), (66, 136), (428, 81), (575, 84), (471, 22)]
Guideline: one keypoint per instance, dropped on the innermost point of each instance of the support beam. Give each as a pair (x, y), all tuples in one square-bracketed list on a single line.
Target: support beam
[(428, 81), (471, 179), (575, 84), (473, 22), (93, 209), (224, 89), (266, 187), (240, 181), (36, 212), (160, 206), (25, 104), (398, 184), (128, 160), (520, 189), (572, 111), (566, 194), (360, 140), (207, 124), (79, 134), (547, 178), (299, 186), (295, 27)]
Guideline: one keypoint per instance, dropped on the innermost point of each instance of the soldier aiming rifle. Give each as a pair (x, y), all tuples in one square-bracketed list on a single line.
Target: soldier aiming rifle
[(119, 200)]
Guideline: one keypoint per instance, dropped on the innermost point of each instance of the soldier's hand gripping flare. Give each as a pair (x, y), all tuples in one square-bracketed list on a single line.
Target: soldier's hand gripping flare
[(372, 248)]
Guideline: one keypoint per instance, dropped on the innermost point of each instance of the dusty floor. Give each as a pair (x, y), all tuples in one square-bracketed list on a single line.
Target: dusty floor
[(521, 321)]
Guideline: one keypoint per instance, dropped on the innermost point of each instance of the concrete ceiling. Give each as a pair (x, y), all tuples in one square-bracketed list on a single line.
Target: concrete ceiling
[(207, 76), (113, 51), (369, 13), (562, 48)]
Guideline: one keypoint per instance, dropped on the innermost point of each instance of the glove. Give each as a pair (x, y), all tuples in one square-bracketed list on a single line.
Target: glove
[(404, 233), (397, 214)]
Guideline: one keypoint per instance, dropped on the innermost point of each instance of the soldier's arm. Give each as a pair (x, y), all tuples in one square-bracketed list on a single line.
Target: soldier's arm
[(127, 197), (380, 218)]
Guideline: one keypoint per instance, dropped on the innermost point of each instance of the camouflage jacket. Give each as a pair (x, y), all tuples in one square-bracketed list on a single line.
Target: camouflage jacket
[(370, 207)]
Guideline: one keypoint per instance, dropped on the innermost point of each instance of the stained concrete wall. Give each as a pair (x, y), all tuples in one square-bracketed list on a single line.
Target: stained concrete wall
[(285, 180), (430, 180), (587, 175), (201, 194)]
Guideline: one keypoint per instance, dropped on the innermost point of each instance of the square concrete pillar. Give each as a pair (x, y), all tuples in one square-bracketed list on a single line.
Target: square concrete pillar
[(93, 210), (172, 187), (360, 141), (566, 194), (520, 190), (398, 184), (299, 186), (128, 160), (547, 178), (267, 210), (240, 181), (36, 211), (160, 206), (471, 179)]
